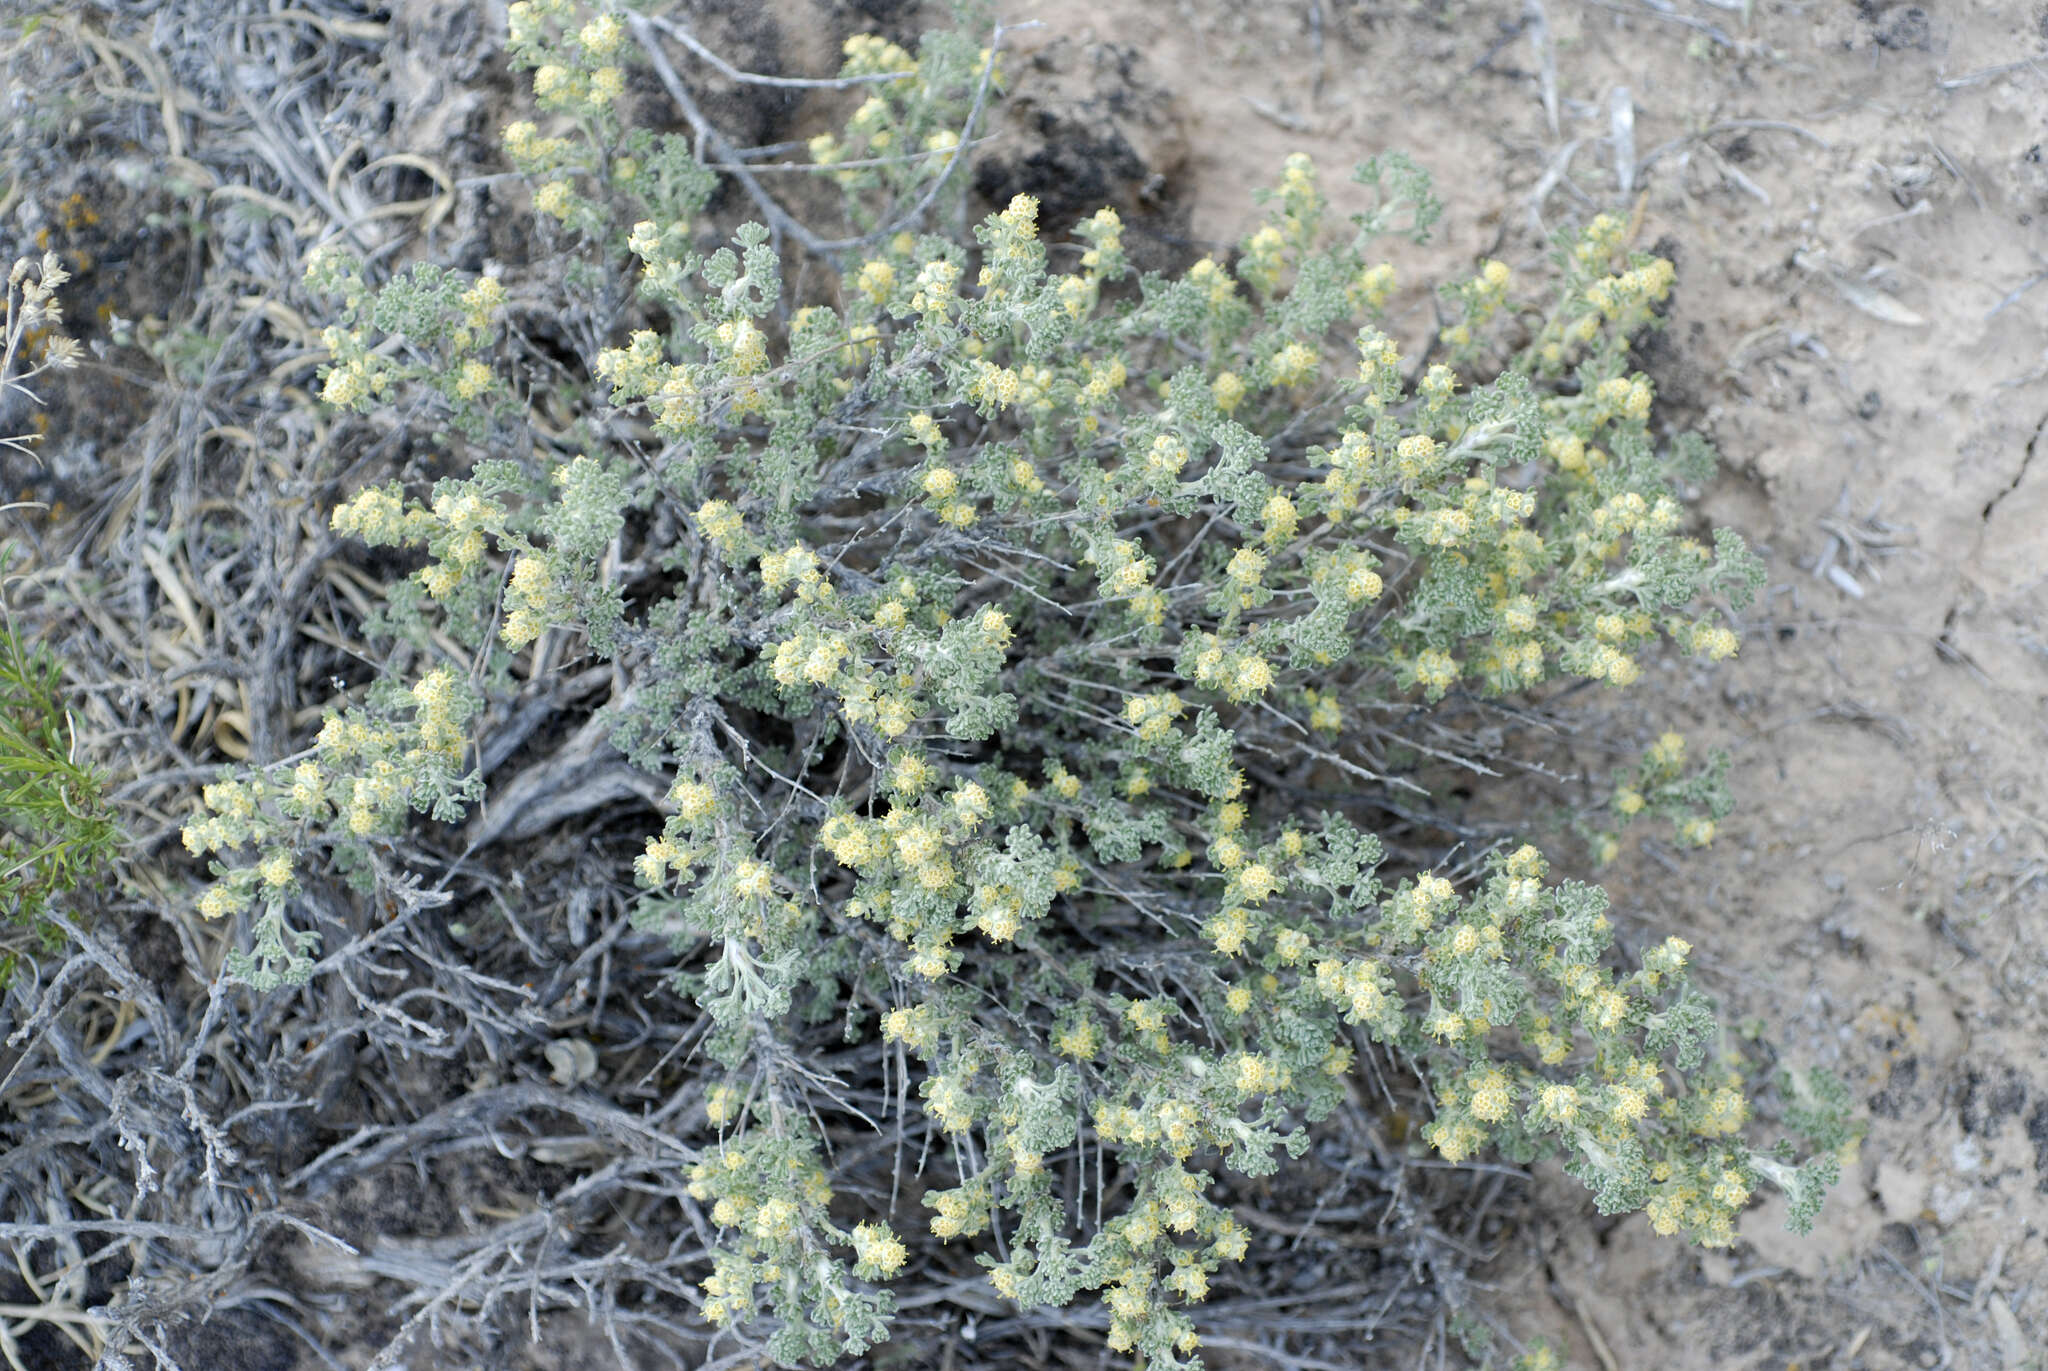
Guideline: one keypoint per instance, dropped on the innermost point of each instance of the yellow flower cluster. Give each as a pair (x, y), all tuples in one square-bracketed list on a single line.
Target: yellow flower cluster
[(745, 346), (1445, 527), (1372, 287), (1715, 642), (1379, 358), (472, 379), (1626, 397), (556, 199), (934, 288), (307, 797), (378, 516), (1610, 664), (719, 521), (962, 1213), (1015, 227), (1248, 679), (1247, 566), (1551, 1046), (1434, 669), (1568, 450), (1213, 279), (722, 1103), (1665, 959), (1557, 1103), (1359, 986), (1587, 992), (601, 38), (1167, 455), (728, 1290), (1229, 932), (809, 657), (1704, 1199), (1468, 940), (1105, 379), (1000, 912), (1599, 241), (1325, 711), (1297, 181), (1153, 715), (661, 856), (876, 279), (1667, 754), (1148, 1016), (1294, 365), (1228, 389), (1489, 1094), (1421, 901), (528, 594), (1630, 295), (752, 880), (1627, 1104), (876, 1247), (1256, 1074), (1240, 676), (993, 386), (1080, 1040), (1126, 574), (1279, 519), (796, 565), (1025, 478), (916, 1027), (351, 382), (1077, 295), (641, 369), (869, 54), (1415, 458), (373, 797), (1351, 573), (951, 1101), (1722, 1111), (438, 711), (1264, 258), (1438, 384), (525, 147), (1482, 297), (1454, 1136)]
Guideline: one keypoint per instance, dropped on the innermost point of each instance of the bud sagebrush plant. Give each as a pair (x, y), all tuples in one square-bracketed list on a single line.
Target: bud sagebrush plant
[(1009, 629)]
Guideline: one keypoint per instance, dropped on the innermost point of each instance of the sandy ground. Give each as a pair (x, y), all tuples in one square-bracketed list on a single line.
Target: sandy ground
[(1857, 200)]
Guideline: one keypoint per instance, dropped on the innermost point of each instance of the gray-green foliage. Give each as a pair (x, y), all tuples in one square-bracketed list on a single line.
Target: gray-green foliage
[(1007, 612)]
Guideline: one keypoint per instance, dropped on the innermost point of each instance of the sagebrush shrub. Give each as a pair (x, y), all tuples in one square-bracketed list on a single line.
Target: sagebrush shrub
[(1013, 630)]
